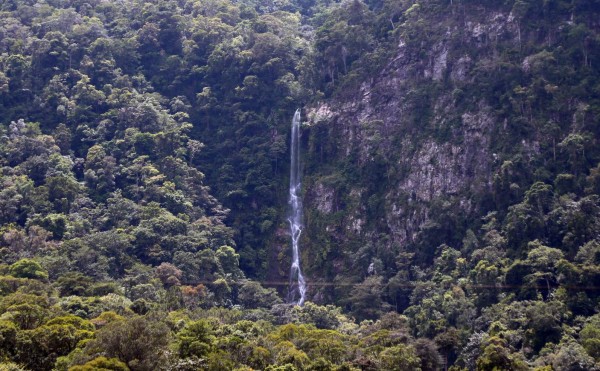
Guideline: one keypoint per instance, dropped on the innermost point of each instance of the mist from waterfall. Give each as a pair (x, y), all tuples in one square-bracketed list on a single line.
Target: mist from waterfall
[(297, 290)]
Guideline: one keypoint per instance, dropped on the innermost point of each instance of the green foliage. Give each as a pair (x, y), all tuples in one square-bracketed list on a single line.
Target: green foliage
[(252, 295), (196, 339), (40, 347), (27, 268), (10, 366), (366, 298), (139, 342), (143, 171), (399, 357), (496, 356), (590, 337), (103, 364)]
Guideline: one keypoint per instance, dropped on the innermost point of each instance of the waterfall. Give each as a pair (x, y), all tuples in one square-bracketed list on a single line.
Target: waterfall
[(297, 282)]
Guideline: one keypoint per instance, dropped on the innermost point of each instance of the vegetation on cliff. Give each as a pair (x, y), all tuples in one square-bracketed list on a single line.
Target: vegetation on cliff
[(452, 187)]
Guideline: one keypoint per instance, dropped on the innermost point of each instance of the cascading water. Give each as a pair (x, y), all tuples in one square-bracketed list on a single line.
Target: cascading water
[(297, 282)]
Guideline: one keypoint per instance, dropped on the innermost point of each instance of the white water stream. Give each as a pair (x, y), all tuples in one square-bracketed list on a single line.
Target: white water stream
[(297, 283)]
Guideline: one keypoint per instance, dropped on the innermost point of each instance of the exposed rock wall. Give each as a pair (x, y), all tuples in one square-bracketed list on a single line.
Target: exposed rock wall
[(405, 125)]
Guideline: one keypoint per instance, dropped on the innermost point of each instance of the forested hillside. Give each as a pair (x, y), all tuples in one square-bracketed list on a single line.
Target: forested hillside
[(451, 162)]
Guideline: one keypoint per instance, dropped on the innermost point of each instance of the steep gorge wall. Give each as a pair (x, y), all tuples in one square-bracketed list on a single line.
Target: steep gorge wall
[(407, 160)]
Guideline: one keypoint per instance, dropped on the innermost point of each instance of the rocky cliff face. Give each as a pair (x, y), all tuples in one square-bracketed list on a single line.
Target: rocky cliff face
[(409, 143)]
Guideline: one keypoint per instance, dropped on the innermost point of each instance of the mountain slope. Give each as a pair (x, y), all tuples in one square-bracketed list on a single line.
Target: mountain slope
[(476, 115), (451, 184)]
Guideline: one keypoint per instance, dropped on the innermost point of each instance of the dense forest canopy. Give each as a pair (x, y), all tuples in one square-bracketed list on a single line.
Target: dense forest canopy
[(451, 158)]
